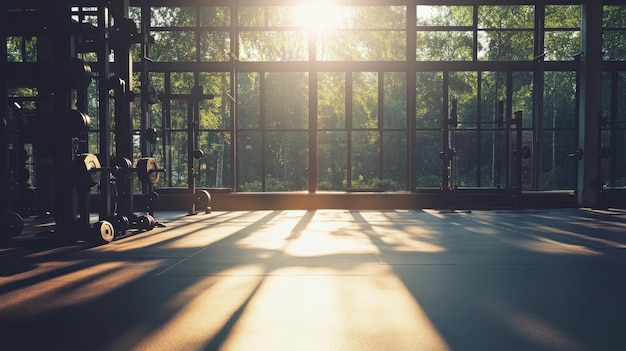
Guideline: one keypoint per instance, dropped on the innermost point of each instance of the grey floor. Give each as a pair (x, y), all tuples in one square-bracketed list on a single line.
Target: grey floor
[(327, 280)]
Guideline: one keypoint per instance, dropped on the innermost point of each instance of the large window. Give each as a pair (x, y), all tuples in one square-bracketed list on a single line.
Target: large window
[(346, 97)]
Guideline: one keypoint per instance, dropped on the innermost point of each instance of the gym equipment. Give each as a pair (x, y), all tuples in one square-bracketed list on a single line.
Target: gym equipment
[(151, 95), (193, 152), (77, 123), (80, 73), (103, 232), (148, 170), (87, 169), (202, 201), (120, 223), (146, 222), (11, 224), (151, 134), (197, 154)]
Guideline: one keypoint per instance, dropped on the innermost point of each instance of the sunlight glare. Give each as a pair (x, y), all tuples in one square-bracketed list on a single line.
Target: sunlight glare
[(317, 15)]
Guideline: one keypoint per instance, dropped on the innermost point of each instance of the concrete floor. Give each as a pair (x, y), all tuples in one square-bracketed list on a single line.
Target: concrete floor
[(327, 280)]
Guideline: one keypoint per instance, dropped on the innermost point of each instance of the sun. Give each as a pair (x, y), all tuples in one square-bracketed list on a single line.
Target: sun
[(317, 15)]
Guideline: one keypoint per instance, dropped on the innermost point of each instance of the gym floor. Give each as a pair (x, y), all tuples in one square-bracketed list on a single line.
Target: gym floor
[(326, 280)]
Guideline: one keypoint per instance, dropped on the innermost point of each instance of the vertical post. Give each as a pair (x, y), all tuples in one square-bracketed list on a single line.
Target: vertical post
[(587, 190), (313, 149), (123, 99), (411, 83), (4, 145), (104, 125), (65, 203), (193, 110), (517, 176), (613, 144), (538, 111), (445, 140), (234, 50)]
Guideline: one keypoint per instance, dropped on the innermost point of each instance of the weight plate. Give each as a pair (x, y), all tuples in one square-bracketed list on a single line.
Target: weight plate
[(145, 222), (86, 170), (152, 95), (12, 224), (148, 170), (197, 154), (153, 199), (103, 232), (151, 135), (151, 222), (77, 123), (120, 223), (77, 74), (202, 199), (122, 167)]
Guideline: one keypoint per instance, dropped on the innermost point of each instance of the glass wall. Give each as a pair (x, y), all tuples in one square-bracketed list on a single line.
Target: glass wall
[(325, 97)]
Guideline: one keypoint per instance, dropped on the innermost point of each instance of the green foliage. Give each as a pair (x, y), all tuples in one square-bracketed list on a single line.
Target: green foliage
[(385, 184), (376, 184), (271, 184), (557, 179)]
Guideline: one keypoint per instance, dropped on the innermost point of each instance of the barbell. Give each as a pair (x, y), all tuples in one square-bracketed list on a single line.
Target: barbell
[(87, 169)]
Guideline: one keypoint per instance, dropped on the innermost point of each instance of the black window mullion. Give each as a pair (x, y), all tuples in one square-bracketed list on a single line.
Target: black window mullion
[(263, 128), (349, 110), (381, 123)]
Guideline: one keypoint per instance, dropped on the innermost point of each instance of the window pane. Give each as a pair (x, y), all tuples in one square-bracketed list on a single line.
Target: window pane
[(394, 104), (559, 170), (248, 100), (178, 114), (214, 168), (172, 17), (562, 46), (563, 16), (215, 113), (464, 91), (506, 17), (213, 16), (614, 45), (176, 159), (445, 15), (331, 100), (287, 100), (505, 45), (365, 100), (464, 172), (559, 100), (249, 161), (613, 16), (361, 45), (287, 161), (173, 46), (429, 99), (332, 160), (428, 164), (522, 97), (444, 46), (365, 156), (394, 161), (181, 82), (214, 46), (273, 46)]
